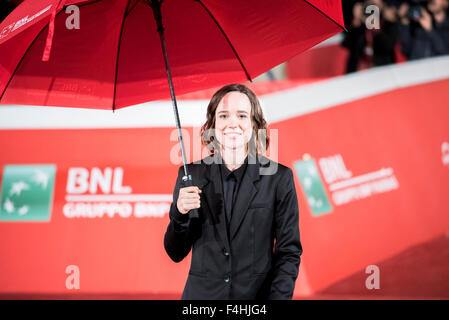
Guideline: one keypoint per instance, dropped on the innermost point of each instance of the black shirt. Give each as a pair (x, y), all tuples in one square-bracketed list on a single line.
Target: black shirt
[(231, 181)]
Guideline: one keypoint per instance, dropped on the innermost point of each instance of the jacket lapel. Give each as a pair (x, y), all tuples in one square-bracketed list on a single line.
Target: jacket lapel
[(246, 193), (212, 188), (213, 192)]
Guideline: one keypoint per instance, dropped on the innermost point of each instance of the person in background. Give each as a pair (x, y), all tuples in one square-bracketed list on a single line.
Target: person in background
[(385, 39), (427, 34), (376, 47), (354, 39)]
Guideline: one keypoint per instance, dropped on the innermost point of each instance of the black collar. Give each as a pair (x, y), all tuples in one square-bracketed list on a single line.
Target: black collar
[(238, 173), (211, 167)]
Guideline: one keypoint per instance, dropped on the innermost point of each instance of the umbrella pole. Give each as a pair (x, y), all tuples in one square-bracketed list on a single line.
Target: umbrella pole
[(187, 179)]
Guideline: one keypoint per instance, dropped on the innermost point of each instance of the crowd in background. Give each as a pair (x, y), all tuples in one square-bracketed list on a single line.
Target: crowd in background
[(413, 29)]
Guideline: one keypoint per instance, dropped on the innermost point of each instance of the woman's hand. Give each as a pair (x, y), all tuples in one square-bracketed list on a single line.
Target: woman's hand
[(188, 199), (425, 20)]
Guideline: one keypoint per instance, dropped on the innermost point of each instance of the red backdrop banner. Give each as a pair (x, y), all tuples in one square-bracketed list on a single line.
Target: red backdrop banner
[(381, 163)]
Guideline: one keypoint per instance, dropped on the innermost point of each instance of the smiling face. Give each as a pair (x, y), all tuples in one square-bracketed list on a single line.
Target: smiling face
[(233, 124), (234, 119)]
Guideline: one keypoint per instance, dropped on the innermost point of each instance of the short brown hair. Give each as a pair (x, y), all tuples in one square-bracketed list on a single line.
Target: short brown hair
[(257, 119)]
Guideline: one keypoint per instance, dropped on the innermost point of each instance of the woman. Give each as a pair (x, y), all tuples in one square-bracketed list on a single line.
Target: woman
[(246, 202)]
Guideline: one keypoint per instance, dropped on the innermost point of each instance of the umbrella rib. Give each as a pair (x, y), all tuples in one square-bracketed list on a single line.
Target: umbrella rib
[(118, 53), (342, 27), (32, 43), (227, 39)]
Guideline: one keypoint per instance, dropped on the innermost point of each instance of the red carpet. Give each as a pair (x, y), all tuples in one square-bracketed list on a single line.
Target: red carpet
[(420, 272)]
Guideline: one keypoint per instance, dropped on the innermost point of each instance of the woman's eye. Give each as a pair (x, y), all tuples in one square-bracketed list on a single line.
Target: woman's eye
[(242, 116), (222, 116)]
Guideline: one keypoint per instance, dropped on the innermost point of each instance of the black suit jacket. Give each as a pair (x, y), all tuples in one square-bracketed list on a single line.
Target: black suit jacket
[(260, 258)]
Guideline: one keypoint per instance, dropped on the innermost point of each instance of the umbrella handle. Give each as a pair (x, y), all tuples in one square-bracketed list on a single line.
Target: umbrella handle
[(188, 182)]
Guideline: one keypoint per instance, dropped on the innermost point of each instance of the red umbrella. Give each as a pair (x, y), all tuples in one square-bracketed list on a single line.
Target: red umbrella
[(115, 59)]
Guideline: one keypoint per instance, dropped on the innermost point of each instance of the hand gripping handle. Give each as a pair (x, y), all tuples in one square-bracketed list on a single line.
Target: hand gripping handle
[(187, 181)]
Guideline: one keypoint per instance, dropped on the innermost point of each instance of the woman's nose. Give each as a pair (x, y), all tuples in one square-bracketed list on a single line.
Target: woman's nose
[(233, 122)]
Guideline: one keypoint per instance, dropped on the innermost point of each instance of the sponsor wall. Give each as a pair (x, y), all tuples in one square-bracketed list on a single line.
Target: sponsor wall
[(372, 177)]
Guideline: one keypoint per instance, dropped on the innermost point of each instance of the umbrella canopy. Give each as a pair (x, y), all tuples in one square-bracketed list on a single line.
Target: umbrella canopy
[(115, 59)]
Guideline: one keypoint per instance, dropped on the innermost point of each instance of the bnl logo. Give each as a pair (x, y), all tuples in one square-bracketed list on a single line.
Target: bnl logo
[(27, 192), (312, 185)]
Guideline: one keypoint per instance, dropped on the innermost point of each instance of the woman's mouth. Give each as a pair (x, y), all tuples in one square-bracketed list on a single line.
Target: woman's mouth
[(232, 134)]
